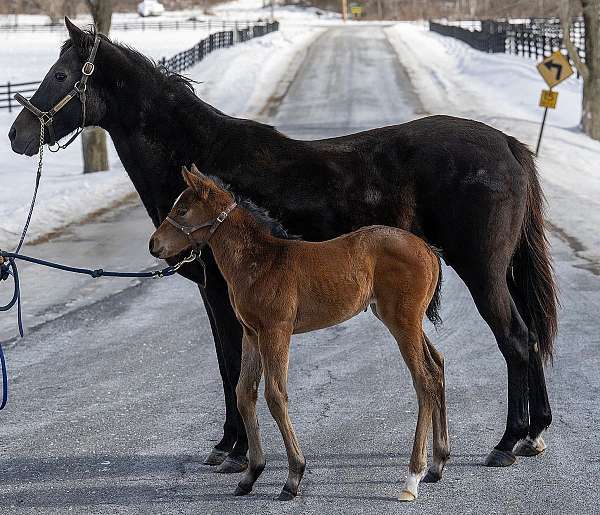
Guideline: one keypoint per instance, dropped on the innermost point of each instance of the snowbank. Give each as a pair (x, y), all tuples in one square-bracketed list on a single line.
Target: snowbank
[(503, 90), (236, 80)]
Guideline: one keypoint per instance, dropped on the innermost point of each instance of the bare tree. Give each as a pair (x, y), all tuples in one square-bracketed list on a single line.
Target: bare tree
[(93, 139), (590, 70)]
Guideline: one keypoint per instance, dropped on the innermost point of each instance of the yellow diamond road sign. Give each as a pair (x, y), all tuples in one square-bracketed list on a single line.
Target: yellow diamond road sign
[(555, 69), (548, 98)]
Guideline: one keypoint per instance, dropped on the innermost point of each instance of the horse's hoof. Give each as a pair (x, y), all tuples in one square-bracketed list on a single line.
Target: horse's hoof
[(285, 495), (498, 458), (216, 457), (432, 476), (406, 496), (241, 490), (530, 446), (233, 465)]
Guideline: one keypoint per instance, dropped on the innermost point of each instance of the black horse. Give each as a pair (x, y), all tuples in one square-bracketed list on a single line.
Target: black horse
[(465, 187)]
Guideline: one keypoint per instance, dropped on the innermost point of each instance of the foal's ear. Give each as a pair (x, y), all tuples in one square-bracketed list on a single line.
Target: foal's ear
[(195, 182), (81, 40)]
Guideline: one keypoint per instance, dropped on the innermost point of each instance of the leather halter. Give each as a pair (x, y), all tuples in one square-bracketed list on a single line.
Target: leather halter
[(46, 118), (213, 225)]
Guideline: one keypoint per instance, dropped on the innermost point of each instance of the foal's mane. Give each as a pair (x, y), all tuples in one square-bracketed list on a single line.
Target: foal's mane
[(144, 63), (260, 214)]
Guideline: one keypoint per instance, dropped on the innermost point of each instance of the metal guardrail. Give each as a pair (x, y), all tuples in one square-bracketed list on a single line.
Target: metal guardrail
[(536, 38), (177, 63)]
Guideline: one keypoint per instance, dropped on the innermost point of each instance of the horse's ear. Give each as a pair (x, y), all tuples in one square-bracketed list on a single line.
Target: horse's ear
[(81, 40)]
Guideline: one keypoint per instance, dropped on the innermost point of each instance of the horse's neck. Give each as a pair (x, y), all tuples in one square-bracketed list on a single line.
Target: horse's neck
[(154, 145), (238, 244)]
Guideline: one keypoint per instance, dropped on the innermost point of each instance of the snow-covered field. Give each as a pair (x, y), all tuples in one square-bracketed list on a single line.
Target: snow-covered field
[(237, 80), (503, 90)]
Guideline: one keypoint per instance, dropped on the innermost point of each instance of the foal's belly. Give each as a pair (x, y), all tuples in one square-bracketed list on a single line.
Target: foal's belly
[(319, 315)]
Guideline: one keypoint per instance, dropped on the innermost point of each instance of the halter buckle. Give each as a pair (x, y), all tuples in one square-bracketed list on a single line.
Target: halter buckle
[(88, 68), (46, 119), (221, 217)]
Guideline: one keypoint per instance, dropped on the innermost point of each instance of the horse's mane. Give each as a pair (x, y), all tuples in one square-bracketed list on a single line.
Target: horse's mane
[(145, 63), (260, 214)]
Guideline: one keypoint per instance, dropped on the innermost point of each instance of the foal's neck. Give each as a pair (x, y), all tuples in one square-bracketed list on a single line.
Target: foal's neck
[(239, 244)]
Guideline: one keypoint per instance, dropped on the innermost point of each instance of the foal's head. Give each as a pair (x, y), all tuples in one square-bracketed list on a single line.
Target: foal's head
[(200, 203)]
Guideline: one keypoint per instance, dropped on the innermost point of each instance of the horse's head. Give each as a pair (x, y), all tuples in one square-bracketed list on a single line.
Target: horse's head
[(58, 82), (196, 214)]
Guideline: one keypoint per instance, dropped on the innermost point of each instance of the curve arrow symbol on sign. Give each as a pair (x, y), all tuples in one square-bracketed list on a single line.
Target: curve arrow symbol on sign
[(552, 64)]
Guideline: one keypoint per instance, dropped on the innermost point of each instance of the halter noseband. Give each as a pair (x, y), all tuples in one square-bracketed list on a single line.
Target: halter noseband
[(46, 118), (214, 224)]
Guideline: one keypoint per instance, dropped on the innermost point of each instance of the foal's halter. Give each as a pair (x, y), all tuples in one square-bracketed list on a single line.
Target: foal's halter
[(198, 245), (46, 118)]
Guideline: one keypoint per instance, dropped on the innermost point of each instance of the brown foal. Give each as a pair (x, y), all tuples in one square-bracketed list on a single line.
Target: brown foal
[(279, 287)]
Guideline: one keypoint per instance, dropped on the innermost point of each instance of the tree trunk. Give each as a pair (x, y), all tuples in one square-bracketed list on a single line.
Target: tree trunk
[(590, 119), (93, 139)]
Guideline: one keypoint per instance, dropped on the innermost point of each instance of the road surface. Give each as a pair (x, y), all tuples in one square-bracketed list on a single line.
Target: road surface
[(116, 397)]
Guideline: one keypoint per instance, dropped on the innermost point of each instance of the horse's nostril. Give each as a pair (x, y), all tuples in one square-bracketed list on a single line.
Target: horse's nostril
[(12, 134)]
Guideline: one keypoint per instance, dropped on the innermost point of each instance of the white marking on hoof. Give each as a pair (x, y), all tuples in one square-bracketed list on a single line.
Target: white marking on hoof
[(411, 486), (531, 443)]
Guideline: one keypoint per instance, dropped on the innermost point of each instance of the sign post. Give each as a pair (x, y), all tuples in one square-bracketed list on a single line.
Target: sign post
[(554, 70)]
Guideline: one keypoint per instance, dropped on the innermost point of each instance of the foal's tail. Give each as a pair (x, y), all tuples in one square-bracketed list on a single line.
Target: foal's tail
[(531, 266), (433, 309)]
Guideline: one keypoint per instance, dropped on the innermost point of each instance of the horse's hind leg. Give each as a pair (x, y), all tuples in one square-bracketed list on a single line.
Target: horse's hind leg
[(495, 304), (441, 445), (274, 347), (540, 413), (247, 394)]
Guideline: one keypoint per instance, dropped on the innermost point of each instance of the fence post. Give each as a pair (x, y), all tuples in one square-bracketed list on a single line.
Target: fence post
[(9, 97)]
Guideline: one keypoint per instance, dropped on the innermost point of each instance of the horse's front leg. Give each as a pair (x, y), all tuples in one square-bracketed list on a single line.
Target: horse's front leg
[(230, 453)]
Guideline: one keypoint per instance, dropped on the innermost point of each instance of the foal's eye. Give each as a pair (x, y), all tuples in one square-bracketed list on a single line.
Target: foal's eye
[(60, 76)]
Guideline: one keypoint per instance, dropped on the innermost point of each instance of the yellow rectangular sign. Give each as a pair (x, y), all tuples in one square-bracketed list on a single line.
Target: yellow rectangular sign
[(548, 98), (555, 69), (356, 10)]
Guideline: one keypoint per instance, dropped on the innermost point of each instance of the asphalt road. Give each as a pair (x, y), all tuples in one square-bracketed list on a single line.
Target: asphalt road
[(114, 403)]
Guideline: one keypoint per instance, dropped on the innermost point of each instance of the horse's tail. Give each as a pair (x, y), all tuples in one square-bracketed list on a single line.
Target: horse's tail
[(531, 266), (433, 309)]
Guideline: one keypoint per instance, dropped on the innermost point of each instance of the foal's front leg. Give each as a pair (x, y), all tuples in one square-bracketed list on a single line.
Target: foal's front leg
[(247, 394), (274, 348)]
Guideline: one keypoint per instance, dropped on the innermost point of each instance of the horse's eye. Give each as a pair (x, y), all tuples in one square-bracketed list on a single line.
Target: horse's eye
[(60, 76), (181, 211)]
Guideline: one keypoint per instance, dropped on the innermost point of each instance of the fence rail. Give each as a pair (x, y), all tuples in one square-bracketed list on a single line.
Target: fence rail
[(536, 38), (190, 24), (177, 63)]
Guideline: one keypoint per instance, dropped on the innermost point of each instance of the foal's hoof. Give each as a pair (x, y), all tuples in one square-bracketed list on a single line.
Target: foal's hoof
[(233, 465), (286, 495), (498, 458), (216, 457), (406, 496), (530, 447), (432, 476), (242, 490)]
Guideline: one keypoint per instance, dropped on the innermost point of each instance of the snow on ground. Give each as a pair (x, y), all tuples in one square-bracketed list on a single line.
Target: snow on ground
[(237, 80), (503, 91)]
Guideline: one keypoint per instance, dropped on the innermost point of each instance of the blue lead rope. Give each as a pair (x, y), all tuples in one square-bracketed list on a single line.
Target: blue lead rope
[(9, 267)]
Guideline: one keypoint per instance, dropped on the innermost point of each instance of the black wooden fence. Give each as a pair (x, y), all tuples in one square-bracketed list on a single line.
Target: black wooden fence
[(178, 63), (165, 24), (536, 38), (478, 39)]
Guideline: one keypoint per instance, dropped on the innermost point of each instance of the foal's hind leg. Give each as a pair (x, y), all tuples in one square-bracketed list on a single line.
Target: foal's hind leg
[(441, 445), (275, 346), (247, 394)]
